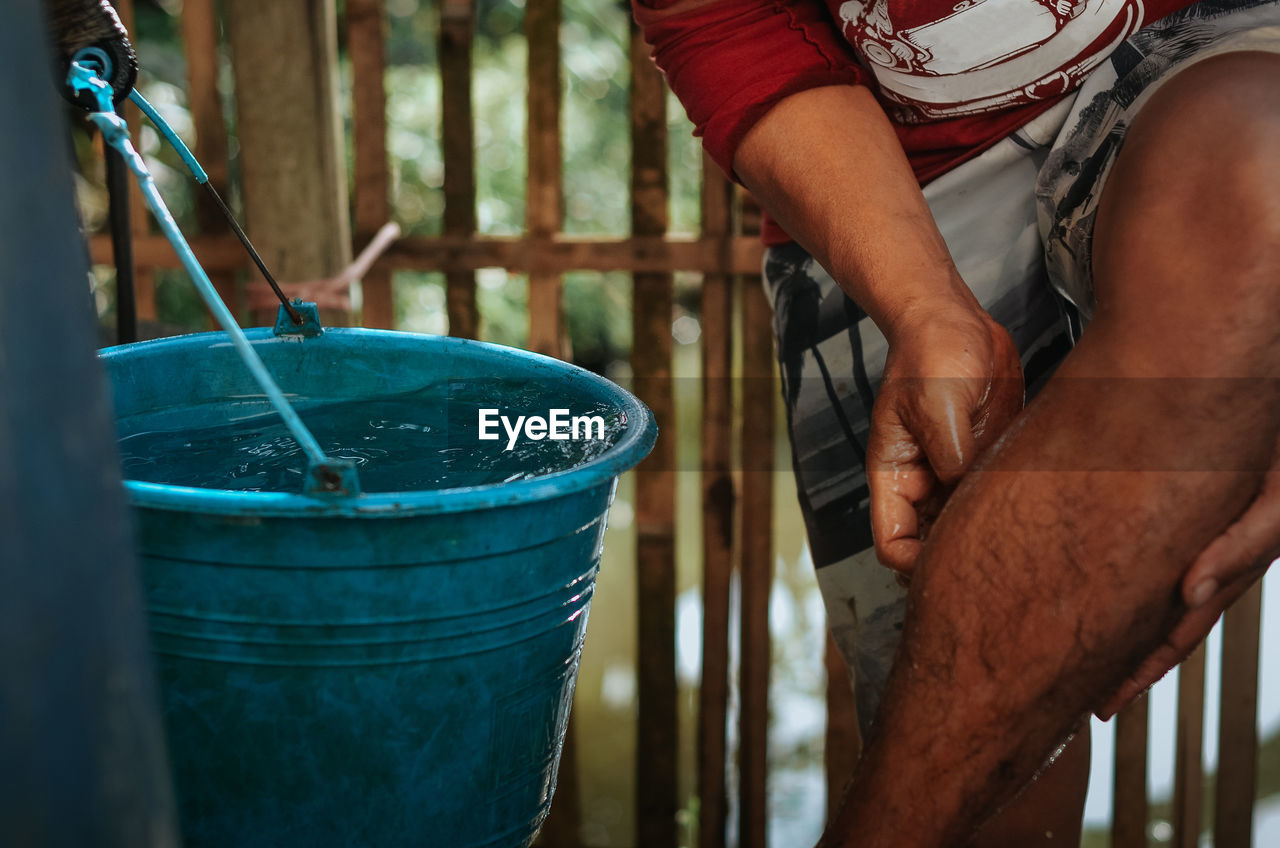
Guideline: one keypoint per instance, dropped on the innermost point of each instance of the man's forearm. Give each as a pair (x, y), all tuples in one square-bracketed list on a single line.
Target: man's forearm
[(827, 165)]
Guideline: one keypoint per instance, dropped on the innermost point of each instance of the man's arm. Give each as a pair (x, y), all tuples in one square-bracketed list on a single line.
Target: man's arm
[(827, 165), (1050, 576)]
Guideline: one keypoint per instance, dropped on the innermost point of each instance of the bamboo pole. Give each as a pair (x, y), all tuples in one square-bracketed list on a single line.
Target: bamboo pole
[(656, 765), (717, 516), (200, 42), (655, 254), (843, 741), (457, 28), (144, 277), (293, 163), (756, 520), (366, 45), (544, 198), (1188, 778), (546, 330), (1238, 725), (563, 826), (1129, 815)]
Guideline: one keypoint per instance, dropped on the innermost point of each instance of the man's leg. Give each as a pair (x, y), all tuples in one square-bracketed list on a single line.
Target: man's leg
[(1050, 812), (1056, 568)]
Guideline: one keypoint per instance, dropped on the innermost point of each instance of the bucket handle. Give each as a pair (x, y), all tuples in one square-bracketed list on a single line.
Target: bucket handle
[(325, 475)]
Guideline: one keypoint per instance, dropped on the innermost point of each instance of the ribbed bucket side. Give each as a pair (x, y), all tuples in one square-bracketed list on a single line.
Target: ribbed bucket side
[(422, 703)]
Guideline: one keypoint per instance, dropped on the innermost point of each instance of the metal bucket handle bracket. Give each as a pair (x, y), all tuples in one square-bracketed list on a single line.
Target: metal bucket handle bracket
[(332, 476), (309, 327)]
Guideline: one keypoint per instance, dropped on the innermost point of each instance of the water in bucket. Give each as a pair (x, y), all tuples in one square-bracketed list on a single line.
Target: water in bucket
[(428, 438)]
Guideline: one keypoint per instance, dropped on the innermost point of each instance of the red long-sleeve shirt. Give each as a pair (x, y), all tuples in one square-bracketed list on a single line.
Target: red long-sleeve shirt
[(954, 77)]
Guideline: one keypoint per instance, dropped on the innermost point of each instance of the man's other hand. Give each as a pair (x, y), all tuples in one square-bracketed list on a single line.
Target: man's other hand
[(1222, 573)]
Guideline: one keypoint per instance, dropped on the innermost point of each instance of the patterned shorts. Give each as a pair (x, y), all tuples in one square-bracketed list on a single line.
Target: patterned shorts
[(1018, 220)]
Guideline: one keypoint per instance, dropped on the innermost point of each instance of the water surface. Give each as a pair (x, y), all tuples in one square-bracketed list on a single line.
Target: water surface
[(426, 439)]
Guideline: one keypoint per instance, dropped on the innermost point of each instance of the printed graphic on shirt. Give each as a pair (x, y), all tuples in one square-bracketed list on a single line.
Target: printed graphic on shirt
[(980, 55)]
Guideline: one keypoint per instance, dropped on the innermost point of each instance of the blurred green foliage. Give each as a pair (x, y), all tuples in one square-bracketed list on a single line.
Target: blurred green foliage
[(596, 158)]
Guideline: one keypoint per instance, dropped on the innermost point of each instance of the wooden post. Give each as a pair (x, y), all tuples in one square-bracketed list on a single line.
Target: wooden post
[(457, 26), (756, 517), (656, 765), (144, 278), (717, 516), (544, 198), (1238, 725), (366, 45), (844, 741), (1129, 814), (563, 826), (542, 218), (200, 42), (1188, 777), (660, 254), (285, 59)]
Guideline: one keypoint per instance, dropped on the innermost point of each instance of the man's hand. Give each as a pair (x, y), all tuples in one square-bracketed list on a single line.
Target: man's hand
[(1221, 573), (952, 384)]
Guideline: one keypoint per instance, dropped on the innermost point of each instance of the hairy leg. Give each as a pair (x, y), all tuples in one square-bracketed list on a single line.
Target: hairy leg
[(1050, 812), (1055, 568)]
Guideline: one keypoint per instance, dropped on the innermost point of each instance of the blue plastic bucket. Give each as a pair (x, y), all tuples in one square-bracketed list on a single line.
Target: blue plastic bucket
[(386, 669)]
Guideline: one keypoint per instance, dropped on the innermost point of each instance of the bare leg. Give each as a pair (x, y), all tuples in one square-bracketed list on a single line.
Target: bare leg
[(1055, 569), (1050, 812)]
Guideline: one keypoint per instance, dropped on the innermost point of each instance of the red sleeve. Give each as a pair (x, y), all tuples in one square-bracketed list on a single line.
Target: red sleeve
[(730, 61)]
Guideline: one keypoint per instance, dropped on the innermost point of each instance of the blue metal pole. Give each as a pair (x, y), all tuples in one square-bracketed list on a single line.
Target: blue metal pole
[(82, 759)]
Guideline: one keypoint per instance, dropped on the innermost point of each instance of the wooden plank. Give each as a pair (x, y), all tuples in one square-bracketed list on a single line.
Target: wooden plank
[(1238, 726), (652, 295), (1129, 813), (717, 517), (758, 398), (1188, 777), (756, 520), (844, 741), (640, 253), (119, 218), (563, 826), (366, 46), (544, 195), (144, 278), (457, 25), (543, 203), (520, 255), (284, 56), (200, 46)]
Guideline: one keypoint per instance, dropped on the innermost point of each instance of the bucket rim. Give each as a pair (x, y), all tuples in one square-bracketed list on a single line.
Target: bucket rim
[(629, 451)]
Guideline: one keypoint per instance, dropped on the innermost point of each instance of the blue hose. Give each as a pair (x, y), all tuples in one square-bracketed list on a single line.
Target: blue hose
[(170, 136)]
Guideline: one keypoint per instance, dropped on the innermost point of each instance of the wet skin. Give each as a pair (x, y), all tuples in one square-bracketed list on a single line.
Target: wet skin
[(1133, 489)]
